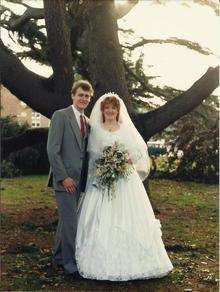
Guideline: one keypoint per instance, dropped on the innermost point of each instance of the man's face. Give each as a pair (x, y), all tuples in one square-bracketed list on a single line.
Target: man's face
[(81, 99)]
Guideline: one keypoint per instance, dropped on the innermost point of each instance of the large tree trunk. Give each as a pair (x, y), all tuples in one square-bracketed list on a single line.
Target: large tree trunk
[(59, 45), (104, 51)]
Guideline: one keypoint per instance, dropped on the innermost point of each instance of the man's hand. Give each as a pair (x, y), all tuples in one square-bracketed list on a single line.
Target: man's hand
[(69, 185)]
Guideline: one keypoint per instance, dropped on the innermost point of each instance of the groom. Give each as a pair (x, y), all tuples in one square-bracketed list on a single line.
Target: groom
[(66, 148)]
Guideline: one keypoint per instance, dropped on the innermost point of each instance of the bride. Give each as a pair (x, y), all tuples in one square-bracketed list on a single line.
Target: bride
[(118, 239)]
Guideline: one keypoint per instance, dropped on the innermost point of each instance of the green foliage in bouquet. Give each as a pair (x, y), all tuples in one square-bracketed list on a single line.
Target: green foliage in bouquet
[(113, 165)]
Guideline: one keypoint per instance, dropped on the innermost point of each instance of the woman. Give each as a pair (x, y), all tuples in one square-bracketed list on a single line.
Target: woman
[(118, 239)]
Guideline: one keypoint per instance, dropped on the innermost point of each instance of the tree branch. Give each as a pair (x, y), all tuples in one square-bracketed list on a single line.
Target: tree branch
[(28, 32), (212, 4), (36, 91), (144, 85), (30, 13), (3, 9), (176, 41), (158, 119), (35, 54)]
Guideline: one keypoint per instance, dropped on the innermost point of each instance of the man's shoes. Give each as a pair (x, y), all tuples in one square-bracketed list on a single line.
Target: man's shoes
[(77, 276), (69, 270), (73, 276), (57, 266)]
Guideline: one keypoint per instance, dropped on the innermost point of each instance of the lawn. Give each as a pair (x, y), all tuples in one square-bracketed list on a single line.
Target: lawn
[(189, 216)]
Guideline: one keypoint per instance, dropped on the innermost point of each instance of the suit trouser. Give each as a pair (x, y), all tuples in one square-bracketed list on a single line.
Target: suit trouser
[(64, 248)]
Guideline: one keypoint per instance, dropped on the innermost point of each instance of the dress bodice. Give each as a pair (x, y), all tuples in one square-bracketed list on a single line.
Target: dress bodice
[(99, 138), (109, 138)]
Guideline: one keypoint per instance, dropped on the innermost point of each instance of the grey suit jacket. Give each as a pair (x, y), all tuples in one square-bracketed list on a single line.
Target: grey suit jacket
[(66, 148)]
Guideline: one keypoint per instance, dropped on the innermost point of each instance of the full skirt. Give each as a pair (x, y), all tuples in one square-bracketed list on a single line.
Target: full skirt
[(120, 239)]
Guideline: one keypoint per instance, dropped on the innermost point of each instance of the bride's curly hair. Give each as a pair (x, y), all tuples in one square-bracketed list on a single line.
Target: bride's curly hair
[(114, 102)]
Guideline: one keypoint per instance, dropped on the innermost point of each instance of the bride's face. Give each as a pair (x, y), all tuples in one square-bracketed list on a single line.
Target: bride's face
[(110, 112)]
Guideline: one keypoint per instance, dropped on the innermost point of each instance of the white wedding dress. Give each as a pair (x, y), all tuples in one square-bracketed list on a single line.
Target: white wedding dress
[(118, 239)]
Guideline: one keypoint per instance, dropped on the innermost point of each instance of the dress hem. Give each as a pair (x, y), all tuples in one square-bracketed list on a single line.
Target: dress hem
[(124, 279)]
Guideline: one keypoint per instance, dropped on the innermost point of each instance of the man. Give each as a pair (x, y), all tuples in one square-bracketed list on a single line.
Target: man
[(66, 148)]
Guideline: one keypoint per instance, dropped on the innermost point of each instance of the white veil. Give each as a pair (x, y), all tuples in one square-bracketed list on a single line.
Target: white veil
[(135, 143)]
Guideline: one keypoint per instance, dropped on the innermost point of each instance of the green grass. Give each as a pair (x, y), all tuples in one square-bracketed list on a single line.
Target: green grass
[(189, 218), (24, 190)]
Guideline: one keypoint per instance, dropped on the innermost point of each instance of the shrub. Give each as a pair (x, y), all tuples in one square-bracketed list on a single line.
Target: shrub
[(8, 169), (31, 160), (10, 127), (26, 161)]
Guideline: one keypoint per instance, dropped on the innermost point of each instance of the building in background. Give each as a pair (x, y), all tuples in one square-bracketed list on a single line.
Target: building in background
[(11, 105)]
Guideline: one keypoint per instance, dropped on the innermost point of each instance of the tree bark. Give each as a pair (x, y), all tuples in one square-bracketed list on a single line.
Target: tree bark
[(59, 44), (104, 51), (30, 13), (36, 91)]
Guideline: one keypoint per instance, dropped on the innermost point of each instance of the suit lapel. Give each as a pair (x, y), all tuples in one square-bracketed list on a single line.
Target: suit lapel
[(74, 125), (85, 138), (87, 128)]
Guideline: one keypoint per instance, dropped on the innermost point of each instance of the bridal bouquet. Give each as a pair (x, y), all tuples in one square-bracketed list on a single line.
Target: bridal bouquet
[(113, 164)]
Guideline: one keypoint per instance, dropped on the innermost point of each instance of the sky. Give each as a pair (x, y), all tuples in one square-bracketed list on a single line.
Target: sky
[(177, 66)]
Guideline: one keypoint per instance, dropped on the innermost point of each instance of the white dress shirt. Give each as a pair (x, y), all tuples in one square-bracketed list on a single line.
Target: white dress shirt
[(77, 115)]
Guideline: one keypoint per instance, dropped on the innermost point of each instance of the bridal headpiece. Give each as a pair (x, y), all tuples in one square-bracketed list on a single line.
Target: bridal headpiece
[(109, 94), (96, 116)]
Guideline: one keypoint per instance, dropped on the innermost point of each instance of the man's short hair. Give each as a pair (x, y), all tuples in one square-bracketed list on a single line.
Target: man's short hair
[(84, 84)]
